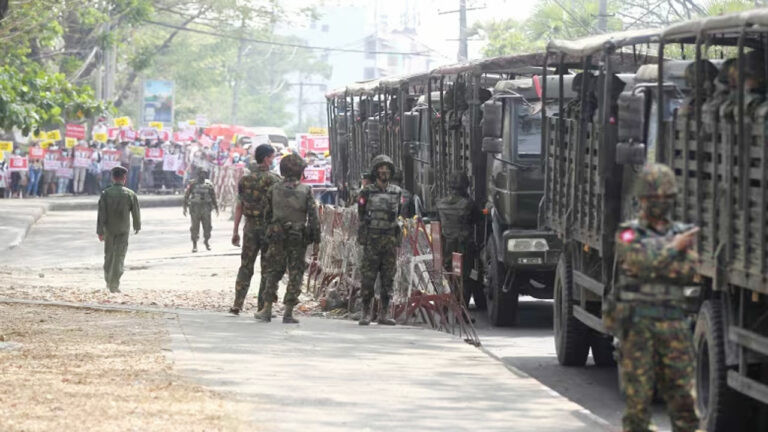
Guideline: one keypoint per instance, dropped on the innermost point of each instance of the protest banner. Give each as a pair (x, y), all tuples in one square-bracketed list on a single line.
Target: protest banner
[(137, 150), (201, 121), (82, 156), (122, 122), (100, 137), (205, 141), (54, 135), (51, 160), (75, 131), (127, 135), (158, 126), (153, 153), (172, 162), (46, 144), (6, 146), (164, 135), (65, 170), (314, 176), (2, 157), (109, 159), (312, 143), (18, 163), (70, 142), (183, 136), (36, 152), (148, 134), (318, 131), (113, 133)]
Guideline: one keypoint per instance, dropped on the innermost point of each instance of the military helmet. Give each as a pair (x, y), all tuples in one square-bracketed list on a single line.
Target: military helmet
[(708, 71), (458, 181), (656, 180), (292, 165), (379, 160)]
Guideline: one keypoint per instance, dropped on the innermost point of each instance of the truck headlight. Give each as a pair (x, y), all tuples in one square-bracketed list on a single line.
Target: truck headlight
[(527, 245)]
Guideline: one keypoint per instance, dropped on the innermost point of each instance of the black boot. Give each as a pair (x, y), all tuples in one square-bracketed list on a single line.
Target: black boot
[(207, 246), (384, 318), (288, 315), (264, 315), (194, 246), (365, 319)]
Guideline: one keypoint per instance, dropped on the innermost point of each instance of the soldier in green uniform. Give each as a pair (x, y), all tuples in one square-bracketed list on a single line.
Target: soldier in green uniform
[(458, 217), (252, 202), (201, 200), (378, 207), (656, 258), (293, 225), (117, 205)]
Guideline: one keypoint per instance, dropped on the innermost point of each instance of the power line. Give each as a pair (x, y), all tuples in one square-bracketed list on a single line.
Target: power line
[(283, 44)]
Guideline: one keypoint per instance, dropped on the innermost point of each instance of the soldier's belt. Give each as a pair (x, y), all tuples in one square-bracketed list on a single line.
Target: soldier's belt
[(658, 312)]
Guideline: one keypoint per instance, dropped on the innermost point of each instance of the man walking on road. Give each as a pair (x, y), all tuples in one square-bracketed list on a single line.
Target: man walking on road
[(378, 207), (201, 200), (657, 259), (293, 224), (116, 204), (252, 202)]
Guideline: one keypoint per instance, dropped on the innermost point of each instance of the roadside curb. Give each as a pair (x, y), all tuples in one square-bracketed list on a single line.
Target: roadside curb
[(17, 221)]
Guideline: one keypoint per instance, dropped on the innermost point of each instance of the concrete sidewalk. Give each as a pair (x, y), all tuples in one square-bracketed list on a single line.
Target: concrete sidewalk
[(17, 216), (333, 375)]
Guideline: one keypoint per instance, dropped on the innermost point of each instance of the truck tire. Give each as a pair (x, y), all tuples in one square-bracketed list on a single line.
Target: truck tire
[(478, 293), (502, 306), (716, 401), (571, 335), (602, 349)]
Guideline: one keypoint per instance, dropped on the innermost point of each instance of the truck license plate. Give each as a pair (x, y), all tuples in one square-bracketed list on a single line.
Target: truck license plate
[(529, 260)]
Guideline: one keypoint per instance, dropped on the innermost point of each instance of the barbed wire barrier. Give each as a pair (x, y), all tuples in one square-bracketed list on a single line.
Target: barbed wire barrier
[(423, 292)]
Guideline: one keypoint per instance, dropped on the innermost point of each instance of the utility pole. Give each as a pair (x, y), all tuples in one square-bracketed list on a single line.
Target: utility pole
[(602, 16), (300, 109), (463, 51)]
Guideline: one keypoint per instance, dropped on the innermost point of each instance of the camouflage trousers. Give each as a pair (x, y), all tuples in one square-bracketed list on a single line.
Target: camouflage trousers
[(660, 352), (200, 215), (286, 255), (379, 259), (115, 248), (253, 244)]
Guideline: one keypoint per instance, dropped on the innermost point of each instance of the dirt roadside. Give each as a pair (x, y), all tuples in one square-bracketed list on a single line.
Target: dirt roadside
[(79, 369)]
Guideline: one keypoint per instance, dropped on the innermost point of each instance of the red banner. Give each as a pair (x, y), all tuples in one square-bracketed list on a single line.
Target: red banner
[(51, 161), (75, 131), (36, 153), (148, 133), (18, 163), (183, 136), (113, 132), (154, 153), (82, 156), (313, 143), (109, 159), (314, 176), (128, 135)]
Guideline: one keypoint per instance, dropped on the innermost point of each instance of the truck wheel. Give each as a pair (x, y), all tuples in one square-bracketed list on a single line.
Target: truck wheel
[(478, 293), (715, 399), (602, 349), (571, 335), (502, 306)]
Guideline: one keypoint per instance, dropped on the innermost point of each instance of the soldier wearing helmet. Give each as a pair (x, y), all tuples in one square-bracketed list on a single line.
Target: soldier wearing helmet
[(458, 216), (200, 198), (656, 258), (293, 224), (378, 207)]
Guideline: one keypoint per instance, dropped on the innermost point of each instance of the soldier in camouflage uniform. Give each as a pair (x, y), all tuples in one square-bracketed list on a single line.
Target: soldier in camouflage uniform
[(252, 203), (200, 198), (378, 206), (293, 225), (458, 217), (656, 258)]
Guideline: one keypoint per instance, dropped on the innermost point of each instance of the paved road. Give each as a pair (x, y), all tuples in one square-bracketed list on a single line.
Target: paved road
[(530, 347), (162, 252)]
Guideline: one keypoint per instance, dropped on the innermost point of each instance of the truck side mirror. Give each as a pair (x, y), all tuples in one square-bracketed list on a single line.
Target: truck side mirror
[(410, 127), (491, 145), (491, 123), (632, 117), (629, 153)]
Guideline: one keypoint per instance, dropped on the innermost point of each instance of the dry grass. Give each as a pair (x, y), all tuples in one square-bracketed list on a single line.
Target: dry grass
[(83, 370)]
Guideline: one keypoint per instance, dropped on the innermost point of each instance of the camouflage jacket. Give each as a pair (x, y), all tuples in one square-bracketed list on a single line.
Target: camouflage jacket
[(651, 269), (252, 194)]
